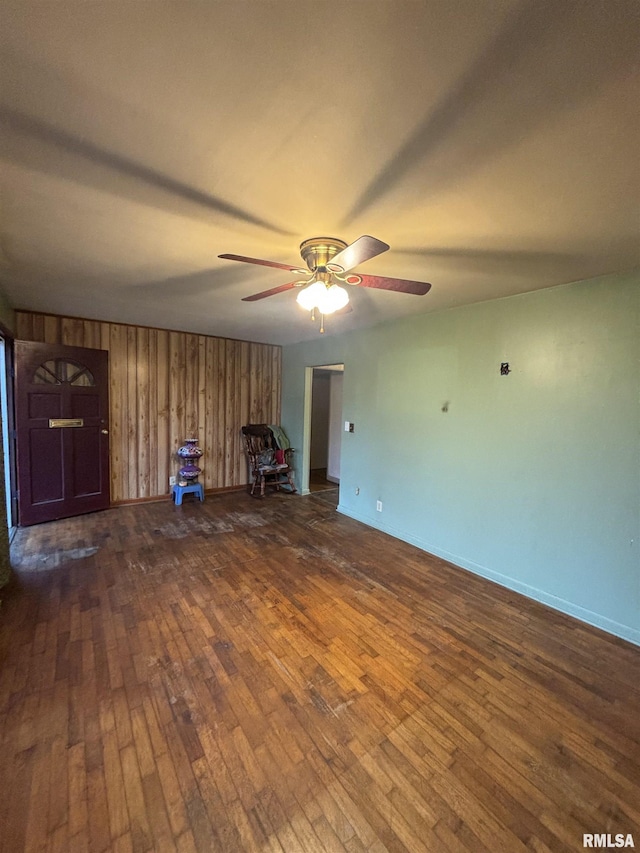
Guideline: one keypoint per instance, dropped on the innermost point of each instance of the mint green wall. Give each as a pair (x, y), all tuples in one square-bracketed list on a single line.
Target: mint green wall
[(531, 479)]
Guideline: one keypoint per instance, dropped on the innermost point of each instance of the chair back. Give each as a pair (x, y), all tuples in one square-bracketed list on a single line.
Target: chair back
[(258, 439), (267, 461)]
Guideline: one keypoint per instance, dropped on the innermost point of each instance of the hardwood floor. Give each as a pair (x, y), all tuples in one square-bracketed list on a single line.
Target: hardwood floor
[(318, 480), (247, 675)]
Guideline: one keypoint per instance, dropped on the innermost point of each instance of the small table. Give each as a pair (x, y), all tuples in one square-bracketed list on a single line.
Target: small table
[(179, 491)]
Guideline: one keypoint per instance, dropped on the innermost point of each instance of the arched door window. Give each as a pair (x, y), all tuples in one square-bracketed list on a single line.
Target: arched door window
[(60, 371)]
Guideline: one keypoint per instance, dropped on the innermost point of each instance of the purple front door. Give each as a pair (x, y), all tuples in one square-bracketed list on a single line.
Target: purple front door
[(62, 420)]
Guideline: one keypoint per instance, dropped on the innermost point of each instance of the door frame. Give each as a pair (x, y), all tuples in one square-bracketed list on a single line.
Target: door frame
[(9, 433), (306, 421)]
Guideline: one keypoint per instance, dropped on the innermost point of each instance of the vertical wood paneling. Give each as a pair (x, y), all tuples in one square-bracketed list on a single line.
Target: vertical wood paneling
[(245, 405), (72, 332), (152, 408), (177, 368), (167, 386), (254, 396), (118, 405), (221, 430), (92, 334), (191, 372), (276, 383), (105, 336), (132, 413), (231, 436), (211, 413), (52, 327), (142, 398), (201, 427), (26, 327), (265, 382), (163, 459)]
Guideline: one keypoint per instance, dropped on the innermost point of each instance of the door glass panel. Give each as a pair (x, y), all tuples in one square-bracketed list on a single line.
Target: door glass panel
[(59, 371)]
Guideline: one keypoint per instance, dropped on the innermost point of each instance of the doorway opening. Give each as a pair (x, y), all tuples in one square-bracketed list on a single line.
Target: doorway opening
[(322, 428)]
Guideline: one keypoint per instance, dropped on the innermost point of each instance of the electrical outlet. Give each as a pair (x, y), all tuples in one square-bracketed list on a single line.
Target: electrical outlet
[(357, 490), (172, 481), (379, 506)]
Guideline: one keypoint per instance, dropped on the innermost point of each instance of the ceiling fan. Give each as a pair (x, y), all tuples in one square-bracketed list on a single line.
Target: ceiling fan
[(329, 261)]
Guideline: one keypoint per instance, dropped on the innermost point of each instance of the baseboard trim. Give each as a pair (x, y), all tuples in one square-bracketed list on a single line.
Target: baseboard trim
[(167, 496), (624, 632)]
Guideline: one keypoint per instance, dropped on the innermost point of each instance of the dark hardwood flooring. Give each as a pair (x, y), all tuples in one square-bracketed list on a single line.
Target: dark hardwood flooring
[(245, 675), (318, 481)]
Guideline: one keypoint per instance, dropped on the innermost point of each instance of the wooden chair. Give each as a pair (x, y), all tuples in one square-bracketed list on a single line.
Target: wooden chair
[(268, 464)]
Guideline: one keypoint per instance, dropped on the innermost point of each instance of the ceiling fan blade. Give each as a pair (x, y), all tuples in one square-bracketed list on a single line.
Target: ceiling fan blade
[(361, 250), (400, 285), (280, 289), (263, 263)]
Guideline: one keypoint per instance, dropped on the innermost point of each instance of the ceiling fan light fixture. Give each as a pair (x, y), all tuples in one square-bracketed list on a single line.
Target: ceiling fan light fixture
[(309, 296), (329, 258), (333, 299)]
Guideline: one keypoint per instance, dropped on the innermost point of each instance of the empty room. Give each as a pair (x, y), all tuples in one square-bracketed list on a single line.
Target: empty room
[(320, 408)]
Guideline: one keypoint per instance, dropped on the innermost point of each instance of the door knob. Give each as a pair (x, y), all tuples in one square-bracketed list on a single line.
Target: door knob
[(105, 432)]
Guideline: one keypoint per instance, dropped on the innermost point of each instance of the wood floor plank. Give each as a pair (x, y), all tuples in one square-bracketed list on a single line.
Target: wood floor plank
[(247, 675), (97, 804)]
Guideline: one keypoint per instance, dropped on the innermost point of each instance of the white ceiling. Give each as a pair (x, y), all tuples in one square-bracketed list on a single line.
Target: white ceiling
[(492, 143)]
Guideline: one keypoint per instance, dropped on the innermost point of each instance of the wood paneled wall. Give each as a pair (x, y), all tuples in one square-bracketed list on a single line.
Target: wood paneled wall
[(167, 386)]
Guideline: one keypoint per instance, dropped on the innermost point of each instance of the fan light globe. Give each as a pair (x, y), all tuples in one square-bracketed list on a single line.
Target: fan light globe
[(308, 296), (333, 298)]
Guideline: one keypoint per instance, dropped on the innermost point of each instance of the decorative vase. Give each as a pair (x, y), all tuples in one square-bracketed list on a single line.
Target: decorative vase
[(189, 452)]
